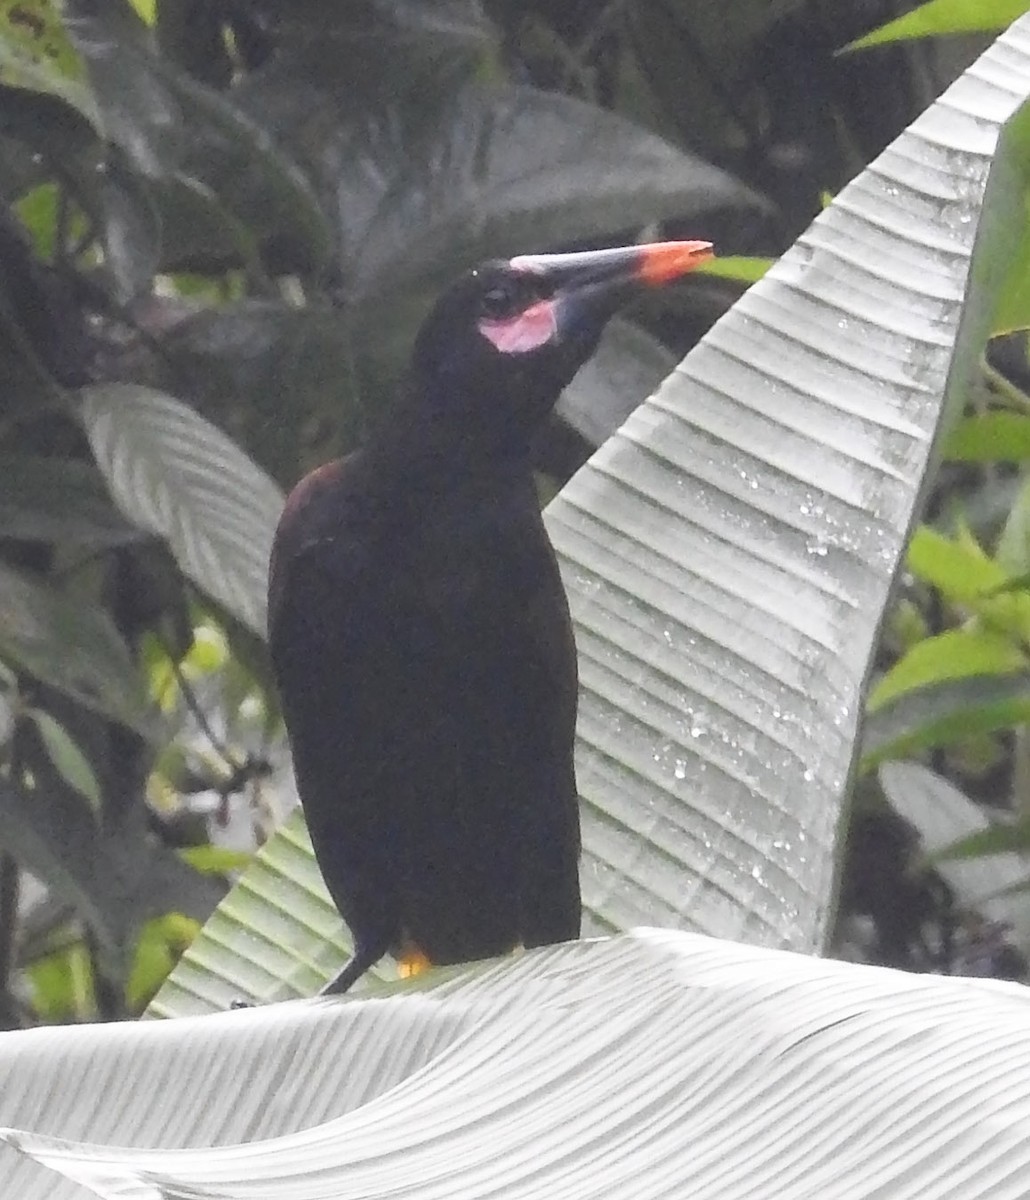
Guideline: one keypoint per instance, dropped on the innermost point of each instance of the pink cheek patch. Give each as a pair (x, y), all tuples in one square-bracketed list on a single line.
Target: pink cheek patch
[(526, 331)]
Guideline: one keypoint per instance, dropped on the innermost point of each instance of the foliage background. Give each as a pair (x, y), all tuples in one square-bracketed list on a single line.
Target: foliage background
[(222, 221)]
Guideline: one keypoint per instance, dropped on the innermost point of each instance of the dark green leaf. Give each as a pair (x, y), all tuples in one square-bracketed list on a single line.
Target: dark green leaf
[(131, 229), (51, 499), (945, 713), (242, 363), (425, 180), (199, 233), (27, 384), (64, 641), (749, 21), (180, 477), (66, 756), (115, 875), (514, 169), (449, 20), (64, 140), (170, 125), (116, 199), (998, 839)]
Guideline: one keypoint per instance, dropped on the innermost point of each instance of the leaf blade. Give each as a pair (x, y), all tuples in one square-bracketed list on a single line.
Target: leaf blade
[(178, 476), (72, 646), (944, 712), (624, 1067), (67, 756)]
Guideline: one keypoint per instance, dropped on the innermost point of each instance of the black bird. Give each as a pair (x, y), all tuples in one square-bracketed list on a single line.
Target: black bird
[(420, 633)]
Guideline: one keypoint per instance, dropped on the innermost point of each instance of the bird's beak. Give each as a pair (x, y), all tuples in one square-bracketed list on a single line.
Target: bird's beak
[(649, 265), (589, 286)]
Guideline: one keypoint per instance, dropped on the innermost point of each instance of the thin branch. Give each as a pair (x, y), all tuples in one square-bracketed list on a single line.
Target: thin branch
[(198, 714)]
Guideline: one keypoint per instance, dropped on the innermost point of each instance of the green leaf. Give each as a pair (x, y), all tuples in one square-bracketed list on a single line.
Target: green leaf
[(59, 500), (114, 873), (209, 651), (957, 567), (240, 360), (653, 1065), (998, 839), (36, 211), (430, 177), (215, 860), (73, 766), (1013, 311), (1013, 551), (1012, 307), (161, 941), (36, 54), (738, 267), (58, 133), (131, 228), (28, 385), (966, 576), (954, 654), (427, 29), (1019, 583), (180, 477), (65, 642), (170, 126), (990, 437), (940, 17), (62, 985), (105, 194), (723, 43), (296, 939), (944, 713)]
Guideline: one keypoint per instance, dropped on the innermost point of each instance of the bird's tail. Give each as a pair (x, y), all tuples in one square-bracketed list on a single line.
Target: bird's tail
[(412, 961), (364, 957)]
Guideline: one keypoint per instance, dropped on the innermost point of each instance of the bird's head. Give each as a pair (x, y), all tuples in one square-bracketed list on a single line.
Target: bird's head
[(493, 356)]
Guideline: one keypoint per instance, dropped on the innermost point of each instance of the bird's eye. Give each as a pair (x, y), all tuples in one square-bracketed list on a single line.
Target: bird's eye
[(499, 301)]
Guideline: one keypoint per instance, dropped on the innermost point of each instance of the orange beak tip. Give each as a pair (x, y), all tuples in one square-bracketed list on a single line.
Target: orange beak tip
[(663, 262)]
